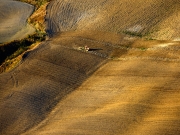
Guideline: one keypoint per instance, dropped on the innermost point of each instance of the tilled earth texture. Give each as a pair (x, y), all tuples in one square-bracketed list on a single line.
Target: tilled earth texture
[(13, 20), (125, 84)]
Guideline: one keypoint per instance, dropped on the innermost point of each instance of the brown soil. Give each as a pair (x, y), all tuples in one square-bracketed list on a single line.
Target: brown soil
[(127, 85)]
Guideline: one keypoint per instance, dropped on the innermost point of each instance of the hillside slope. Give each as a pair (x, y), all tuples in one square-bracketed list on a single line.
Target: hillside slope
[(123, 84), (136, 92), (30, 92), (13, 20), (152, 18)]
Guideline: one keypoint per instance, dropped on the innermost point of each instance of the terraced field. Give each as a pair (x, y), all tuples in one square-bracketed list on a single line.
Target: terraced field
[(124, 84)]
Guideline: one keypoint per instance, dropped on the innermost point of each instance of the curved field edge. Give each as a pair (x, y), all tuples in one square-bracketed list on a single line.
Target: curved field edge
[(13, 20), (11, 53), (122, 96)]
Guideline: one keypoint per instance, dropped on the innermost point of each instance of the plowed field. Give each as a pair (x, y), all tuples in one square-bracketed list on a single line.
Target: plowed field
[(125, 84)]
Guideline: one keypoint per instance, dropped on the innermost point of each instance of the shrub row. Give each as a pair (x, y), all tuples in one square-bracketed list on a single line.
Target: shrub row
[(17, 47)]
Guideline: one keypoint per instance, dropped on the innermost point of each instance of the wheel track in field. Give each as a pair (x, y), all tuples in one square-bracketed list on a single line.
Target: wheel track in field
[(118, 90)]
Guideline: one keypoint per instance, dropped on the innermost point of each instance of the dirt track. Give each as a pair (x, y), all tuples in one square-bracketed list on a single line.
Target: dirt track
[(13, 17), (129, 86)]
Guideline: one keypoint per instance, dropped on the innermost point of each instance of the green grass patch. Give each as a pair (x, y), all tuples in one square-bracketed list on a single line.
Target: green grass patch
[(149, 38), (133, 34), (142, 48)]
